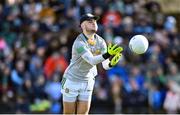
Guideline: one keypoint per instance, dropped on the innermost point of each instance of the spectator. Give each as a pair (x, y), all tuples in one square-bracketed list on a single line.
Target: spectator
[(171, 103), (55, 63)]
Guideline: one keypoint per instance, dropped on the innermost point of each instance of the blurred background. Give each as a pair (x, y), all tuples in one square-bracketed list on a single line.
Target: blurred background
[(36, 37)]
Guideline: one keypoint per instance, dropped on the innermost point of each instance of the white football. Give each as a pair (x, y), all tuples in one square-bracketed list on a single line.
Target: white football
[(138, 44)]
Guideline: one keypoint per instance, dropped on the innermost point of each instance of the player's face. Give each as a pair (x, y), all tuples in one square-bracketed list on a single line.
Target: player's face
[(91, 25)]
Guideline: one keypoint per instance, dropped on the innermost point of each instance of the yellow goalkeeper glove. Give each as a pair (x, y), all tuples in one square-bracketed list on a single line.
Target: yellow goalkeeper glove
[(114, 49), (115, 59)]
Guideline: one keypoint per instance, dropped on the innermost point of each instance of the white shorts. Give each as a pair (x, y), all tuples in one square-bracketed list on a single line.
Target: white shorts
[(73, 91)]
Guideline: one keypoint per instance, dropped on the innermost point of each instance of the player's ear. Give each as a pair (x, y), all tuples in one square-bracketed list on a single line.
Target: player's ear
[(82, 25)]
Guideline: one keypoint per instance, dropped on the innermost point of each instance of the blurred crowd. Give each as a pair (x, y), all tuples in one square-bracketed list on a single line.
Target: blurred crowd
[(36, 37)]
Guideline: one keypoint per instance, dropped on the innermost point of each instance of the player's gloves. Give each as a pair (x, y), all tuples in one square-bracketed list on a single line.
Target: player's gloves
[(115, 60), (112, 50)]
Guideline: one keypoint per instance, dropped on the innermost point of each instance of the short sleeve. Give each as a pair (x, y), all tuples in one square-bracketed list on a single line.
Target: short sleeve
[(80, 47)]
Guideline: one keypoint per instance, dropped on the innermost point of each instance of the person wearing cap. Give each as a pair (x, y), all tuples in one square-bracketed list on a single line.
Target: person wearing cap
[(88, 50)]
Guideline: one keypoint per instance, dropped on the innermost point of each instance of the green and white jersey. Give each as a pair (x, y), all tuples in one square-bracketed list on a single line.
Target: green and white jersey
[(79, 69)]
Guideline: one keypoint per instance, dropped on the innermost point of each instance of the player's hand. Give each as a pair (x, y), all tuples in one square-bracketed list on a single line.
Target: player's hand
[(114, 49), (115, 59)]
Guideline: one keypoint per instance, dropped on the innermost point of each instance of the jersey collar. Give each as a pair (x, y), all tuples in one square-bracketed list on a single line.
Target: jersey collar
[(85, 38)]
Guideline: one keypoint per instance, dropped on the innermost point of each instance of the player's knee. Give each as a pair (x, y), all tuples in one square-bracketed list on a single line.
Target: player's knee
[(84, 110), (68, 111), (69, 107), (83, 107)]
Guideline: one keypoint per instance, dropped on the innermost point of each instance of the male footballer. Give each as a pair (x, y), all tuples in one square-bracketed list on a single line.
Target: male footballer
[(88, 50)]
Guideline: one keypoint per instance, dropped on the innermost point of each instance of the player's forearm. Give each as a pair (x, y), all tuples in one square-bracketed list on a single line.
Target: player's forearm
[(93, 60)]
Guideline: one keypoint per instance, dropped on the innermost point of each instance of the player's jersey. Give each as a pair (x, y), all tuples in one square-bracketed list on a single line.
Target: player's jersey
[(79, 69)]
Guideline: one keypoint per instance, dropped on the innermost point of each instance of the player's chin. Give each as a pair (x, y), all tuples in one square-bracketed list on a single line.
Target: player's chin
[(94, 30)]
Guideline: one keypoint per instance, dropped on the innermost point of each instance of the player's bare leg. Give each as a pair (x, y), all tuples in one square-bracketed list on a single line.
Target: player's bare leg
[(69, 107), (83, 107)]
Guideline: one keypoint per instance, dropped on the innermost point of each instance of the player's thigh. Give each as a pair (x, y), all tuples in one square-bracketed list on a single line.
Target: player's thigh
[(83, 107), (69, 107), (84, 98), (84, 103), (70, 92), (86, 93)]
